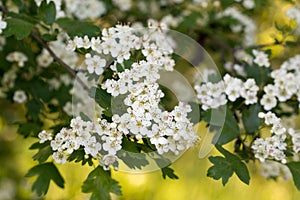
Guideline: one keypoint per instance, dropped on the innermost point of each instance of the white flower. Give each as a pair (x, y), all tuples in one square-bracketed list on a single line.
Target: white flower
[(271, 90), (268, 101), (270, 118), (294, 14), (272, 169), (44, 59), (44, 136), (278, 129), (18, 57), (95, 64), (20, 96), (261, 58), (108, 160), (3, 23), (85, 9), (59, 157), (249, 4)]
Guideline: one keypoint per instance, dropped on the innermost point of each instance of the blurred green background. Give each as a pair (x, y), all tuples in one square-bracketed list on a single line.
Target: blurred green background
[(15, 159)]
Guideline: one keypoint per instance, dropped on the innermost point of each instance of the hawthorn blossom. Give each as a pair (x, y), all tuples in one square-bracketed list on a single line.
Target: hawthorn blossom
[(19, 96), (3, 23), (261, 58)]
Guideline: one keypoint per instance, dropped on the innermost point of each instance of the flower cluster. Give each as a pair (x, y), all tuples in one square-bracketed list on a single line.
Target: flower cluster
[(261, 58), (295, 135), (87, 9), (123, 5), (294, 14), (271, 147), (272, 169), (214, 95), (246, 24), (285, 84), (136, 85), (18, 57)]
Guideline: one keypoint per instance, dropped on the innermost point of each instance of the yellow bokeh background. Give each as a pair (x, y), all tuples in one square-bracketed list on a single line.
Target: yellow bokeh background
[(193, 184)]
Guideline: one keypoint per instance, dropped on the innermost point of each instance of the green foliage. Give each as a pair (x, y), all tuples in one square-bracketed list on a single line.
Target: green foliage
[(250, 118), (259, 74), (33, 108), (168, 172), (223, 122), (131, 154), (102, 98), (47, 12), (28, 128), (79, 156), (224, 167), (18, 27), (100, 184), (295, 170), (78, 28), (45, 173), (44, 152)]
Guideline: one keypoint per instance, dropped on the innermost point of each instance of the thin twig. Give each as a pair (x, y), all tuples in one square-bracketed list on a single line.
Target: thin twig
[(3, 9), (38, 38)]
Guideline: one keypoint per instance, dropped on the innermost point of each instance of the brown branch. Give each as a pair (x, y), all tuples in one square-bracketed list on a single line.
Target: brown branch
[(38, 38), (3, 9)]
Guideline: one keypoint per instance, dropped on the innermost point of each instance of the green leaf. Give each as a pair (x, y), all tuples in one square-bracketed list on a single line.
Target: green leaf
[(28, 128), (223, 121), (18, 27), (100, 184), (79, 156), (250, 118), (48, 37), (224, 167), (43, 154), (84, 117), (78, 28), (133, 160), (227, 3), (220, 169), (295, 170), (102, 98), (168, 172), (131, 154), (259, 74), (33, 109), (47, 12), (45, 173)]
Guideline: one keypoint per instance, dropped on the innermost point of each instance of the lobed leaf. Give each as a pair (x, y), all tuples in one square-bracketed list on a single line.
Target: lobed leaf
[(100, 184), (224, 167), (47, 12), (45, 173)]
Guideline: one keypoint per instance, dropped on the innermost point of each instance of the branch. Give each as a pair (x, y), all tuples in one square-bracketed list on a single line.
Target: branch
[(38, 38), (3, 9)]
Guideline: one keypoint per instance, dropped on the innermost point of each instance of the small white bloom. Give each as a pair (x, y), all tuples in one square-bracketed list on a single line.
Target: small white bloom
[(59, 157), (95, 64), (268, 101), (18, 57), (20, 96), (261, 58), (3, 24), (44, 136)]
